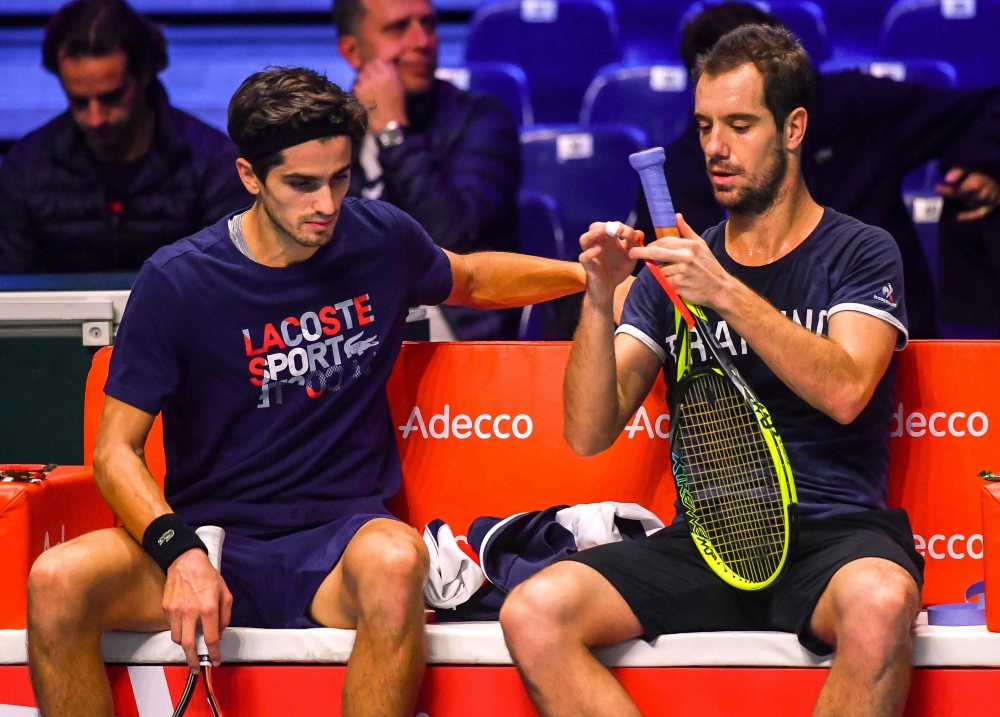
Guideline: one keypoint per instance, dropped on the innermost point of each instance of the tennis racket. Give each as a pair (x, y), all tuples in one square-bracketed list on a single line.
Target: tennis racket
[(730, 467), (213, 538)]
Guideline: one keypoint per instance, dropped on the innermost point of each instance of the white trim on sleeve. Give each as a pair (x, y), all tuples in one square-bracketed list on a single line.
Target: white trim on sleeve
[(644, 338), (878, 314)]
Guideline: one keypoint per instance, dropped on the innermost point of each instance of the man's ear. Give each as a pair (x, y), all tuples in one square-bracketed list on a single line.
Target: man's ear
[(350, 50), (247, 176), (795, 128)]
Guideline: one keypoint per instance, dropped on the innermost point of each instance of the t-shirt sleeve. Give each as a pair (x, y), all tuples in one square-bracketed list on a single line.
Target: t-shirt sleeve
[(145, 368), (428, 269), (872, 282), (648, 316)]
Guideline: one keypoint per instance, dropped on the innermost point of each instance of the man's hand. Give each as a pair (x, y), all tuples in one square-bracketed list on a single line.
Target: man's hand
[(689, 265), (196, 593), (606, 259), (379, 88), (978, 192)]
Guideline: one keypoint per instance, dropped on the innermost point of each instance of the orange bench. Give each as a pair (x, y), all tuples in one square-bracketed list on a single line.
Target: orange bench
[(519, 461)]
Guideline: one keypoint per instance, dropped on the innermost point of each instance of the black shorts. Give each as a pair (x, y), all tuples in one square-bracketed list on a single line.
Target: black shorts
[(671, 589)]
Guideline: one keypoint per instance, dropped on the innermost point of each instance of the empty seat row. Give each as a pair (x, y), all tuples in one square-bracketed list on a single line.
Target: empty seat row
[(562, 44)]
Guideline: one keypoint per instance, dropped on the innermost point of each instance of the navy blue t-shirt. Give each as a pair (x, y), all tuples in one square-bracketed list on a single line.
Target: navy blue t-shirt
[(272, 380), (843, 265)]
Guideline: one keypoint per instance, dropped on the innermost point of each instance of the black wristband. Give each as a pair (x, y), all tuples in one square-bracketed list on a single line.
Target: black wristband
[(168, 537)]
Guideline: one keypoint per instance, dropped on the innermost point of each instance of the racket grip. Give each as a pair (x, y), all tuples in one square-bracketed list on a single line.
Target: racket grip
[(213, 538), (649, 165)]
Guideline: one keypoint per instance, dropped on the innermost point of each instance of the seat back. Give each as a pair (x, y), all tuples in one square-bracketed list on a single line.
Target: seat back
[(560, 45), (961, 32), (479, 429), (540, 226), (505, 81), (585, 169), (489, 443), (656, 99)]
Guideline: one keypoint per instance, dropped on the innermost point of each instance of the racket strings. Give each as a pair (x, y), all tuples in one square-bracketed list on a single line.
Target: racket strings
[(731, 477)]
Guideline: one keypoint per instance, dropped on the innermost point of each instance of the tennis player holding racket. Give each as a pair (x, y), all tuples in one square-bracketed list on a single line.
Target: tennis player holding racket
[(808, 304)]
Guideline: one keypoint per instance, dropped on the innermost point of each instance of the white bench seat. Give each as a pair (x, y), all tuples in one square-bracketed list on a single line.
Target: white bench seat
[(481, 643)]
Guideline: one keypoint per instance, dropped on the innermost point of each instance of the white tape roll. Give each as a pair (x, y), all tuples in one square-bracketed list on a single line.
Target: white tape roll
[(213, 538), (612, 229)]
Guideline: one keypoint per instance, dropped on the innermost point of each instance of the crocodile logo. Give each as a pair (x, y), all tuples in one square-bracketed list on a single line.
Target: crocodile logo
[(357, 345)]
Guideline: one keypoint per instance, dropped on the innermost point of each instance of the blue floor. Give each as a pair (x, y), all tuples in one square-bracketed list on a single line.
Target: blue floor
[(207, 64)]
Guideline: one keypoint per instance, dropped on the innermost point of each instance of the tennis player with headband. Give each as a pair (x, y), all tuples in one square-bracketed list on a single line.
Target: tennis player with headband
[(266, 342), (809, 303)]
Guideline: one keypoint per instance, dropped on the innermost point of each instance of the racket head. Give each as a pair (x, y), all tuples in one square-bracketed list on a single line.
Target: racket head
[(733, 479)]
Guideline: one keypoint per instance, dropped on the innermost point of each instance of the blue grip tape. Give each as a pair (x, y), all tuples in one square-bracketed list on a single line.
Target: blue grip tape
[(649, 165)]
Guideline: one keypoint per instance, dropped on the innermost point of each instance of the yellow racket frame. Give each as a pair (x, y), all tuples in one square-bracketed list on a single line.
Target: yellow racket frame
[(772, 440)]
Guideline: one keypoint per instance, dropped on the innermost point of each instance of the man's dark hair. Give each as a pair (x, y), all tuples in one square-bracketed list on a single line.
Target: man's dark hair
[(789, 82), (704, 30), (347, 14), (95, 28), (281, 96)]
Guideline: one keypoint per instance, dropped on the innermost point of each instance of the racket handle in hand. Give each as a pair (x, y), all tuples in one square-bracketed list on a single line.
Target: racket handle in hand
[(213, 538), (649, 165)]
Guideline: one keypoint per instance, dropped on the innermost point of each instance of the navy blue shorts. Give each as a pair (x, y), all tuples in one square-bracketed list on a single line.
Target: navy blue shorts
[(273, 581)]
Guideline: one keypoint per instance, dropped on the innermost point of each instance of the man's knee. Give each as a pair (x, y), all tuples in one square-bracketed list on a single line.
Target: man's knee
[(538, 615), (57, 589), (391, 557), (877, 610)]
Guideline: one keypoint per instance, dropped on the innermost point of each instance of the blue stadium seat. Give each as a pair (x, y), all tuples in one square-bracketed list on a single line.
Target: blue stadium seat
[(560, 44), (935, 73), (505, 81), (965, 33), (925, 208), (647, 30), (803, 17), (585, 169), (541, 233), (540, 226), (656, 99)]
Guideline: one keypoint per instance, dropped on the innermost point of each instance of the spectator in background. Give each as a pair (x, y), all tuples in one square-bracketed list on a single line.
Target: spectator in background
[(449, 159), (865, 134), (121, 173)]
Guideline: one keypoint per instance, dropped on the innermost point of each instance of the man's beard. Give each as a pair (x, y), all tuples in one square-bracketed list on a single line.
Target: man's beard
[(290, 232), (757, 198)]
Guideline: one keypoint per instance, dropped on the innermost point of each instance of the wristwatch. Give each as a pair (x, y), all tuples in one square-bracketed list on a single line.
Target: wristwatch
[(390, 136)]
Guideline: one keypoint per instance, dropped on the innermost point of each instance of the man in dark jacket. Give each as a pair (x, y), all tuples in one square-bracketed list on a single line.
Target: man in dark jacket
[(865, 134), (449, 159), (121, 173)]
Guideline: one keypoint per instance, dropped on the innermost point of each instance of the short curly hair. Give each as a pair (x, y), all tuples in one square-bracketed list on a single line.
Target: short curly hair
[(789, 80), (96, 28), (280, 95)]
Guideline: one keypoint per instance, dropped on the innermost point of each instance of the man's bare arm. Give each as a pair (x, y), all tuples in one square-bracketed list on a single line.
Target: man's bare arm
[(835, 375), (120, 470), (607, 379), (194, 590), (608, 376), (498, 280)]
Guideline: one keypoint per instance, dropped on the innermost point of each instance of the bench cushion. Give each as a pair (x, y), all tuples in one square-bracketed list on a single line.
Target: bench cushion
[(482, 643)]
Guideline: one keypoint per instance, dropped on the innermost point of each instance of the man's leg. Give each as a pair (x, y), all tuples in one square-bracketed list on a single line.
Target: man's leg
[(100, 581), (866, 613), (551, 622), (377, 587)]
